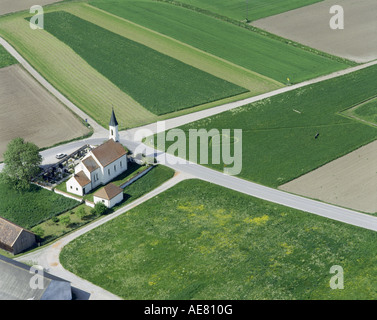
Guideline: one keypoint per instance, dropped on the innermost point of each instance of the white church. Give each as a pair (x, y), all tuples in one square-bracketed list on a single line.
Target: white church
[(99, 166)]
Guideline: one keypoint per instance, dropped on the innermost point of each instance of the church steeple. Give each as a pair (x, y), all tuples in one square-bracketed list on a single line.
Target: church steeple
[(113, 127)]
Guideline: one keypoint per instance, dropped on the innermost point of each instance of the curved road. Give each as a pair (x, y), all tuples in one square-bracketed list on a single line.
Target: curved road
[(49, 257)]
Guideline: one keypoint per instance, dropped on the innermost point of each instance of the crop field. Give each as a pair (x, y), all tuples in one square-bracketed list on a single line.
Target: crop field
[(220, 244), (93, 92), (349, 181), (253, 10), (279, 133), (29, 208), (8, 6), (5, 58), (159, 83), (27, 110), (251, 50), (310, 26)]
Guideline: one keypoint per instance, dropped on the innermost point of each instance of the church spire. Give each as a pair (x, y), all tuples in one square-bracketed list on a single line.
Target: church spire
[(113, 119), (113, 127)]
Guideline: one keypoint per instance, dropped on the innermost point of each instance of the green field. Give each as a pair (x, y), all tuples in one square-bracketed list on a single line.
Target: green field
[(279, 133), (251, 50), (251, 9), (366, 111), (202, 241), (5, 58), (30, 208), (94, 93), (159, 83)]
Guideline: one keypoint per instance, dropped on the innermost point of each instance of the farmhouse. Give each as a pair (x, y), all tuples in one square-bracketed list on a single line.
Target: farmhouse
[(100, 165), (20, 282), (14, 238)]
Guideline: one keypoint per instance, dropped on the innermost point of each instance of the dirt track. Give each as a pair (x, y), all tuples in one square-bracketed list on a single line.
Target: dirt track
[(350, 181), (310, 26), (27, 110), (8, 6)]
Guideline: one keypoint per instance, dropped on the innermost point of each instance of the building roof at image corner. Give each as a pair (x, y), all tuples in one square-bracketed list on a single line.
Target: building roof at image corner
[(15, 278)]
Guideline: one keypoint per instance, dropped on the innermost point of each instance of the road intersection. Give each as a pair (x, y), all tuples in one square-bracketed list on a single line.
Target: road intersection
[(48, 257)]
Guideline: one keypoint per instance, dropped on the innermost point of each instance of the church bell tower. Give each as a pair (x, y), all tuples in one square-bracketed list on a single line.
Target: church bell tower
[(113, 127)]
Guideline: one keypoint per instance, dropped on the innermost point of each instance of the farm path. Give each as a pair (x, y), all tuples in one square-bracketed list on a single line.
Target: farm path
[(48, 257)]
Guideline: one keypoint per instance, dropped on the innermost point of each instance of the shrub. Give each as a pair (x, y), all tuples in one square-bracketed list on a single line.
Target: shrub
[(100, 209)]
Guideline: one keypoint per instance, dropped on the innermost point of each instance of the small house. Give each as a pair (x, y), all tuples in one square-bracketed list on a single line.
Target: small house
[(14, 238), (109, 195)]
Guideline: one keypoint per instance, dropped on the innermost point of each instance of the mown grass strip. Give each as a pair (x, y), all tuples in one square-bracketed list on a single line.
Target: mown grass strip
[(252, 50), (156, 81)]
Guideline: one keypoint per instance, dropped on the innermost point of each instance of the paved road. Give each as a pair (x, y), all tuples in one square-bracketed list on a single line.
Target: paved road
[(256, 190), (48, 257)]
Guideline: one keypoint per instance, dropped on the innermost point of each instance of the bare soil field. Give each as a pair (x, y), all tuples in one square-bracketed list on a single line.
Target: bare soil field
[(30, 112), (8, 6), (350, 181), (310, 26)]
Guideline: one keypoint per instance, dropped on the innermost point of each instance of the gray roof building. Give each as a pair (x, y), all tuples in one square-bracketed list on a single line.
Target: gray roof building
[(19, 282)]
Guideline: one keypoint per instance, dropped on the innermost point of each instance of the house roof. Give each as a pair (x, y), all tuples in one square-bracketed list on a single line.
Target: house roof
[(90, 164), (9, 232), (81, 178), (108, 192), (108, 152), (15, 282), (113, 120)]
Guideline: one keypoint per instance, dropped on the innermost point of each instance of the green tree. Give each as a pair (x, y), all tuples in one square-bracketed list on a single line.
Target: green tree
[(100, 208), (65, 220), (81, 212), (22, 161)]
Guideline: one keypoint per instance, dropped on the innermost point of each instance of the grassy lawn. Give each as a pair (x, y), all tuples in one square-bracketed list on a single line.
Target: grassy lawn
[(30, 208), (202, 241), (255, 9), (278, 133), (251, 50), (5, 58), (159, 83), (54, 228)]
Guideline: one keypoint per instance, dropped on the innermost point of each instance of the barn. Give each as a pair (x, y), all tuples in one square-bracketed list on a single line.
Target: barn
[(14, 238)]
